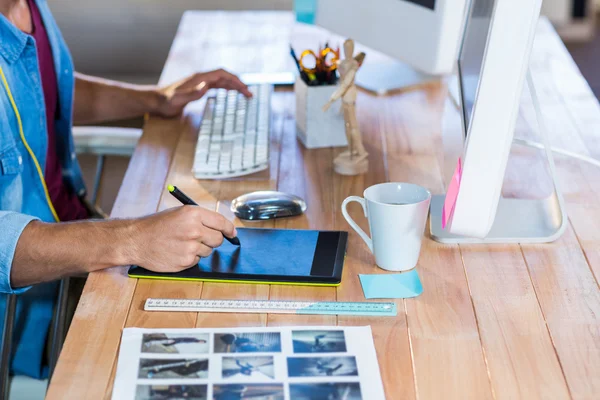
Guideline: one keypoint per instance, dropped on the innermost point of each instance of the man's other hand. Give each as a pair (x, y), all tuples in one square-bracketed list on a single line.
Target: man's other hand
[(172, 99)]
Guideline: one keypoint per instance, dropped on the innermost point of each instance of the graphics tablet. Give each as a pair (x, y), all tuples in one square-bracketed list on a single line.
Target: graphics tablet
[(275, 256)]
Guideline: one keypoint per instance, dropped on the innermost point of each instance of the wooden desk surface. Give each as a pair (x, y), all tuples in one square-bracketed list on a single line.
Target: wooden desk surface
[(501, 321)]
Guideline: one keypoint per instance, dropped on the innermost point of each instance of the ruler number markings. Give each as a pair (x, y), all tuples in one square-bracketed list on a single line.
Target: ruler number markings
[(271, 306)]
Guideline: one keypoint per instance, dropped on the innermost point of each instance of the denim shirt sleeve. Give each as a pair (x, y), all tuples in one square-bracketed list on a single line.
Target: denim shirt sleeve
[(12, 224)]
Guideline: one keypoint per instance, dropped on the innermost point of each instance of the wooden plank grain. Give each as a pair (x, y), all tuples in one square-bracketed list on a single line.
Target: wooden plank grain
[(519, 351), (98, 330), (562, 273), (570, 300), (306, 174), (389, 334), (568, 295), (233, 291), (517, 345), (206, 194), (447, 356), (184, 129), (179, 174), (226, 191)]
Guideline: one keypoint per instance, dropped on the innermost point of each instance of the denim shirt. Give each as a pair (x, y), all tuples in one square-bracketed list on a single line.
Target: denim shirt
[(22, 197)]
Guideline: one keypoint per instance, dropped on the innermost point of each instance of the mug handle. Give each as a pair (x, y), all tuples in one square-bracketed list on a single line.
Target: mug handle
[(353, 224)]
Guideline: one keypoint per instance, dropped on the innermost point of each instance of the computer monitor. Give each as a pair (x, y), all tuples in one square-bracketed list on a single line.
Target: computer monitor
[(422, 37), (492, 67)]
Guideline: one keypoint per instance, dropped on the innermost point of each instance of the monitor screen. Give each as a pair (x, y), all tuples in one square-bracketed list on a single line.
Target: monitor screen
[(424, 3), (470, 60)]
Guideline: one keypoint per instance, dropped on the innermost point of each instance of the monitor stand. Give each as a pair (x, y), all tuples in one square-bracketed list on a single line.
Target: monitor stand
[(517, 220), (387, 77)]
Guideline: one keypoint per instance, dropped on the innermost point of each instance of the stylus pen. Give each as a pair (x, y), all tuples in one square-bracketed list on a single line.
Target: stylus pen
[(184, 199)]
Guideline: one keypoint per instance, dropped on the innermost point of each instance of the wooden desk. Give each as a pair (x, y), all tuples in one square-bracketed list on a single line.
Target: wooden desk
[(502, 321)]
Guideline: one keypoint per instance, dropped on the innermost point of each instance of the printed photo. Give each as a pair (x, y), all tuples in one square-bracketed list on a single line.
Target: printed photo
[(248, 367), (322, 366), (173, 343), (171, 392), (247, 342), (254, 391), (173, 368), (319, 341), (325, 391)]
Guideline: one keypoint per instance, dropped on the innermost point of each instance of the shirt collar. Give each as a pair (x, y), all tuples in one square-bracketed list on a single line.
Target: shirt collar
[(12, 40)]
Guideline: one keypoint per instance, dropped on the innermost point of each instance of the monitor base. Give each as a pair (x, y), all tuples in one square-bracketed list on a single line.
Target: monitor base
[(389, 77), (517, 220)]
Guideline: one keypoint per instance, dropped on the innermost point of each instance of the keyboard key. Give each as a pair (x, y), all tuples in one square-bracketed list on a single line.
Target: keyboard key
[(233, 138)]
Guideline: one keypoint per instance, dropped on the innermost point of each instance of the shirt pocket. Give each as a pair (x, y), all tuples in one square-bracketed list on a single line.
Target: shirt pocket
[(11, 162), (11, 179)]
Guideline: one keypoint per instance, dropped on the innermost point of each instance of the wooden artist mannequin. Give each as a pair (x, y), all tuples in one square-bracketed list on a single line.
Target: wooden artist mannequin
[(355, 160)]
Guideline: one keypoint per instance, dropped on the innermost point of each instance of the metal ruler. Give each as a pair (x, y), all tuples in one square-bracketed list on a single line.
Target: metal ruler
[(273, 307)]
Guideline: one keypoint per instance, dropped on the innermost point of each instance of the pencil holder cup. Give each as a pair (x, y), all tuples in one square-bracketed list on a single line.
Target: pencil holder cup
[(314, 127)]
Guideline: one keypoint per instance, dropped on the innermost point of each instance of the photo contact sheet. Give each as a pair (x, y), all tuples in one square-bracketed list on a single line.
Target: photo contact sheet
[(327, 363)]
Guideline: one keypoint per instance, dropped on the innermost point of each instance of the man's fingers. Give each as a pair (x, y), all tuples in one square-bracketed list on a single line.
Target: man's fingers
[(197, 79), (214, 79), (212, 238), (236, 84), (195, 93), (219, 223), (204, 250), (184, 263), (196, 261), (226, 80)]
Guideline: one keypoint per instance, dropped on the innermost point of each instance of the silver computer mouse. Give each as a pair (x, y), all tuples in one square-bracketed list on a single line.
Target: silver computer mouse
[(267, 205)]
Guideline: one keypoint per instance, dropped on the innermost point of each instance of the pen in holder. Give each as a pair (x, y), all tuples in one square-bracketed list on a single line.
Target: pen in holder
[(317, 81), (314, 127)]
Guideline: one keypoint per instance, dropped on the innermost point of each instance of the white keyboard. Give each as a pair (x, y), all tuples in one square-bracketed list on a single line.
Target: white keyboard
[(234, 134)]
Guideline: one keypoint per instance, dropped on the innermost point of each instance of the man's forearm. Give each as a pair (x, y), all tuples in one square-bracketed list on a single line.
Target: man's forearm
[(168, 241), (101, 100), (47, 252)]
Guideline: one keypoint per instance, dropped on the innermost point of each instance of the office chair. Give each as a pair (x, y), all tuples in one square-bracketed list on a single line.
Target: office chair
[(101, 141)]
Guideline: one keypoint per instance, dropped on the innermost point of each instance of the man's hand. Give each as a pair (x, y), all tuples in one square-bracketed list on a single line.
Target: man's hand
[(175, 239), (173, 98), (100, 100), (169, 241)]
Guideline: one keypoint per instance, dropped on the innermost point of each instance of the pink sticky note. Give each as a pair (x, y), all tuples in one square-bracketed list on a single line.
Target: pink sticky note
[(451, 195)]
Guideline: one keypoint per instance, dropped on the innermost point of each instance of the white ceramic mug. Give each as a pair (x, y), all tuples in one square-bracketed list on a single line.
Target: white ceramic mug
[(397, 213)]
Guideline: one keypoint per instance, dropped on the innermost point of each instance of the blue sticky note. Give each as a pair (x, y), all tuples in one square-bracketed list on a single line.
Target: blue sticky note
[(391, 286), (305, 11)]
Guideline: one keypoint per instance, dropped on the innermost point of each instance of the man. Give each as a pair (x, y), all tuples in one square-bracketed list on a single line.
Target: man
[(40, 180)]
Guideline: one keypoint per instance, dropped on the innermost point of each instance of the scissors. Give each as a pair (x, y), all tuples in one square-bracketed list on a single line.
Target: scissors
[(321, 62)]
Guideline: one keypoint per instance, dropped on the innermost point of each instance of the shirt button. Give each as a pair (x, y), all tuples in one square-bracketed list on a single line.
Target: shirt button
[(20, 160), (66, 71), (72, 156)]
